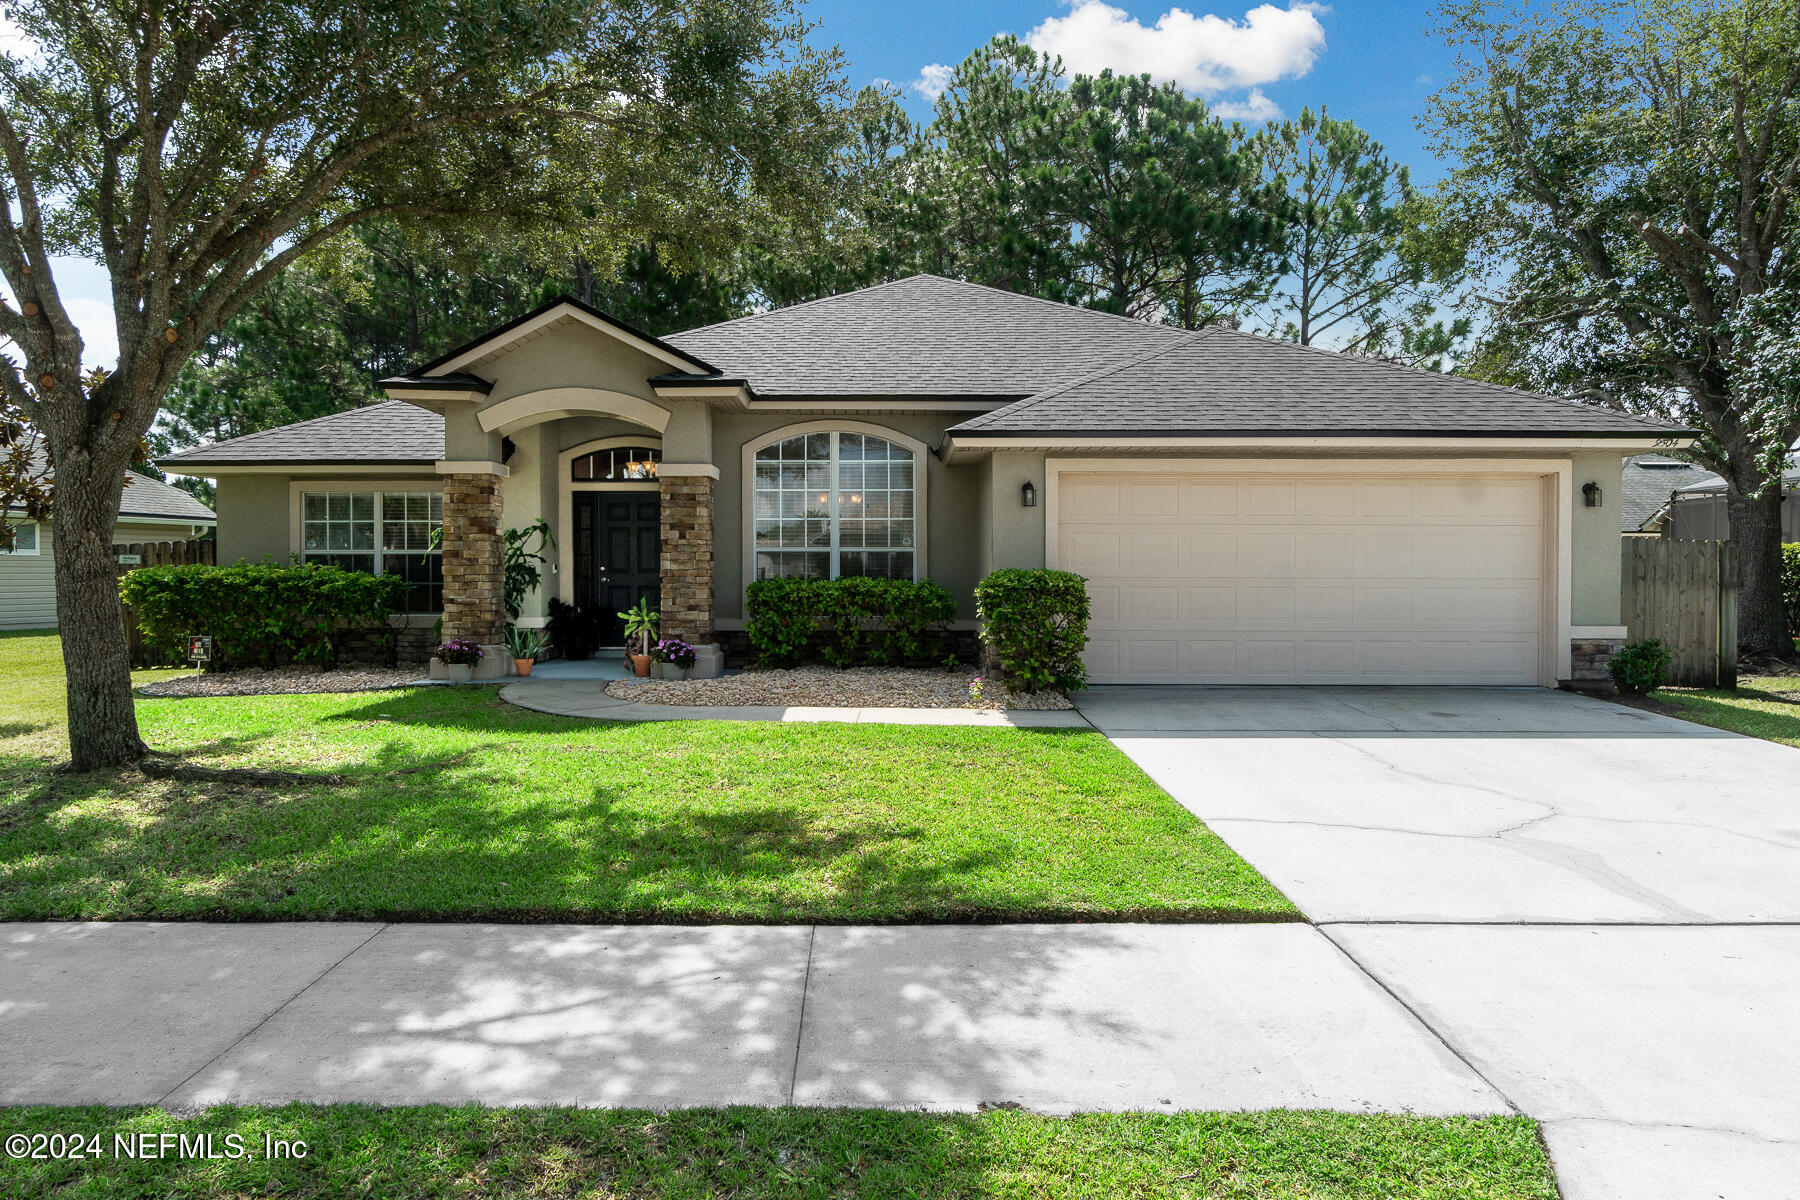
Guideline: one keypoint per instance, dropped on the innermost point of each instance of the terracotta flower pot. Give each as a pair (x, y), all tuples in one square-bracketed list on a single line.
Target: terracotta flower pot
[(523, 665), (640, 665)]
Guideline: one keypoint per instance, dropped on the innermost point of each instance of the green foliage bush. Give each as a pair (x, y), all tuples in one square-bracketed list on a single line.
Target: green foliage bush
[(847, 622), (1790, 585), (1638, 668), (264, 614), (1035, 622), (574, 629)]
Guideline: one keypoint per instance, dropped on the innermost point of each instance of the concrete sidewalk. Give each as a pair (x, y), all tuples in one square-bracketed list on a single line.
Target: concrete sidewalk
[(586, 698), (1055, 1018)]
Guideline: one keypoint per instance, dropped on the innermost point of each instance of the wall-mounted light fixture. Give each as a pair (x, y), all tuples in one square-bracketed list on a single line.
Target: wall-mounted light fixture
[(1028, 495), (1590, 494)]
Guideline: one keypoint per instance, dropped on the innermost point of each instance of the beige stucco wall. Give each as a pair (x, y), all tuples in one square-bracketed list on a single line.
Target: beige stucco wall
[(253, 517), (1594, 544)]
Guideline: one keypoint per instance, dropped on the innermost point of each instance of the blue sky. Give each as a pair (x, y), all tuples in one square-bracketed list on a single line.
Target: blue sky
[(1372, 63)]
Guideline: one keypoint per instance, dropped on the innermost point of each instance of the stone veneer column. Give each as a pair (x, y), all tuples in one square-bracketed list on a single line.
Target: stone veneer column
[(474, 596), (1589, 664), (687, 557)]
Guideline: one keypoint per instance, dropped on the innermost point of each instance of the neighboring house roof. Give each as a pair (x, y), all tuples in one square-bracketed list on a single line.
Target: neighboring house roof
[(1713, 485), (1222, 382), (146, 497), (390, 432), (1645, 481), (921, 336)]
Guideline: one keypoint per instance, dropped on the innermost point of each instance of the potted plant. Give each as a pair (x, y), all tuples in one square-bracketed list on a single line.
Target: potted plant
[(459, 656), (640, 630), (526, 645), (674, 658)]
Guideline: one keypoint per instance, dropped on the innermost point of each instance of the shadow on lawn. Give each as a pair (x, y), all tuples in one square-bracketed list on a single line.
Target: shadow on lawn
[(449, 837)]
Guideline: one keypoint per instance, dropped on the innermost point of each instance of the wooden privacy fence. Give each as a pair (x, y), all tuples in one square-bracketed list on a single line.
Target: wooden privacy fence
[(1684, 593), (133, 555)]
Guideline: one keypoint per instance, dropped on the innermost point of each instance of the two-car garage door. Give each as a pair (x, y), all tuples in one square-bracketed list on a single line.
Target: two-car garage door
[(1307, 578)]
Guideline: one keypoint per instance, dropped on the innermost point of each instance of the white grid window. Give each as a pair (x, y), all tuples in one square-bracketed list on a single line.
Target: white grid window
[(834, 504), (25, 539), (340, 528)]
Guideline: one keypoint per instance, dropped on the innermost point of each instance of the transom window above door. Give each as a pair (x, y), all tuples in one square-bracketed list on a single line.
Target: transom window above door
[(620, 464), (833, 504)]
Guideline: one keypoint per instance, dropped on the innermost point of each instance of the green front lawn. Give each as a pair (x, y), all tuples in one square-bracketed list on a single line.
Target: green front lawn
[(1764, 706), (454, 805), (852, 1154)]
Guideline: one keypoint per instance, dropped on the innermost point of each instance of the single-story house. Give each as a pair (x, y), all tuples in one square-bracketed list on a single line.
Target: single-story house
[(1245, 510), (149, 511)]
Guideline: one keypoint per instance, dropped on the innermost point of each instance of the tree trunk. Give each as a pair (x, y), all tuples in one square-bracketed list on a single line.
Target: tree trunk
[(1756, 528), (103, 728)]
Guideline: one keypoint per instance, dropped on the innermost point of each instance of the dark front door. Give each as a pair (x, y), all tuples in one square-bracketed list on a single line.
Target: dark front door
[(618, 554)]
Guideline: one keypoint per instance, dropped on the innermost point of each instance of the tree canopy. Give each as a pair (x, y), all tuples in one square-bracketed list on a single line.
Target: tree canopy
[(198, 151), (1624, 174)]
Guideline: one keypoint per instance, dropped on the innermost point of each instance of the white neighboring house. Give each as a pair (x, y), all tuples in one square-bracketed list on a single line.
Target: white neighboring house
[(149, 511)]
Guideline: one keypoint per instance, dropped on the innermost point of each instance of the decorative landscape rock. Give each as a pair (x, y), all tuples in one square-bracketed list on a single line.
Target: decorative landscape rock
[(828, 687)]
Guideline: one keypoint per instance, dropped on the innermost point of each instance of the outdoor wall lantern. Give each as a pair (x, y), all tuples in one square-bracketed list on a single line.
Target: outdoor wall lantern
[(1028, 495), (1590, 494)]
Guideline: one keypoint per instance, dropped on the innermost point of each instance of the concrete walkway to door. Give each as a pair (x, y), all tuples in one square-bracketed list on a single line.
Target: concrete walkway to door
[(1596, 907)]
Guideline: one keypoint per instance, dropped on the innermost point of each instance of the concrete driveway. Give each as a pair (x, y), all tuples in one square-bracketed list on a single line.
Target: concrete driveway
[(1597, 909)]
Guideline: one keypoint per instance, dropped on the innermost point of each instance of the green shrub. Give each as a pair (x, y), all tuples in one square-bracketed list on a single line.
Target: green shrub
[(1790, 585), (1035, 622), (848, 622), (1638, 668), (267, 614)]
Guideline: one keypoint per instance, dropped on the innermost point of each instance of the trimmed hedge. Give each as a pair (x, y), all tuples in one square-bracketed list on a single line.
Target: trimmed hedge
[(267, 614), (1035, 622), (849, 622)]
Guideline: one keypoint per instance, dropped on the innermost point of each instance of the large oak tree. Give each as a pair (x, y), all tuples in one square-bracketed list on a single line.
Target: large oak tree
[(1626, 174), (198, 148)]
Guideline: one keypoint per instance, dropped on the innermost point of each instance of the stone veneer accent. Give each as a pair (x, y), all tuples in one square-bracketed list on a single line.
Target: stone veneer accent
[(687, 558), (1588, 663), (474, 595)]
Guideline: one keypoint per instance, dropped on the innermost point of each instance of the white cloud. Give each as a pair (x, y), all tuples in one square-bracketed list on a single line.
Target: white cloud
[(933, 79), (1205, 54), (1254, 108)]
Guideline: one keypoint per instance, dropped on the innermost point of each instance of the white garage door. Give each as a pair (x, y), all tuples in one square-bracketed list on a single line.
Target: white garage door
[(1208, 578)]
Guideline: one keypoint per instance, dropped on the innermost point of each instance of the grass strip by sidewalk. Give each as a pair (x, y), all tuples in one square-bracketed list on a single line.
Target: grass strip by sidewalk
[(449, 804), (748, 1154)]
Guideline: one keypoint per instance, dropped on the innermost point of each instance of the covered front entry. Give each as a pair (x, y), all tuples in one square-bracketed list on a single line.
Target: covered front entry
[(617, 539), (1308, 577)]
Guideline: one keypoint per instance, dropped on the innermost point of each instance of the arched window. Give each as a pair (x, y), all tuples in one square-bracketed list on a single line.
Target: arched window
[(620, 464), (833, 504)]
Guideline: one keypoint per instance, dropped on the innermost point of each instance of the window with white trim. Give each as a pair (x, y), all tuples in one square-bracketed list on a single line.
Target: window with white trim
[(833, 504), (386, 533), (24, 538)]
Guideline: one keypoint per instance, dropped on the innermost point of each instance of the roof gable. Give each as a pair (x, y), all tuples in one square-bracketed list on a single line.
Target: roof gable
[(1221, 382), (560, 311)]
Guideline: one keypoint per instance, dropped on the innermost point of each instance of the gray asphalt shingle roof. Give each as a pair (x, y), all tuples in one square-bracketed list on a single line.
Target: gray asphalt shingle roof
[(1645, 481), (146, 497), (1222, 382), (392, 431), (920, 336)]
